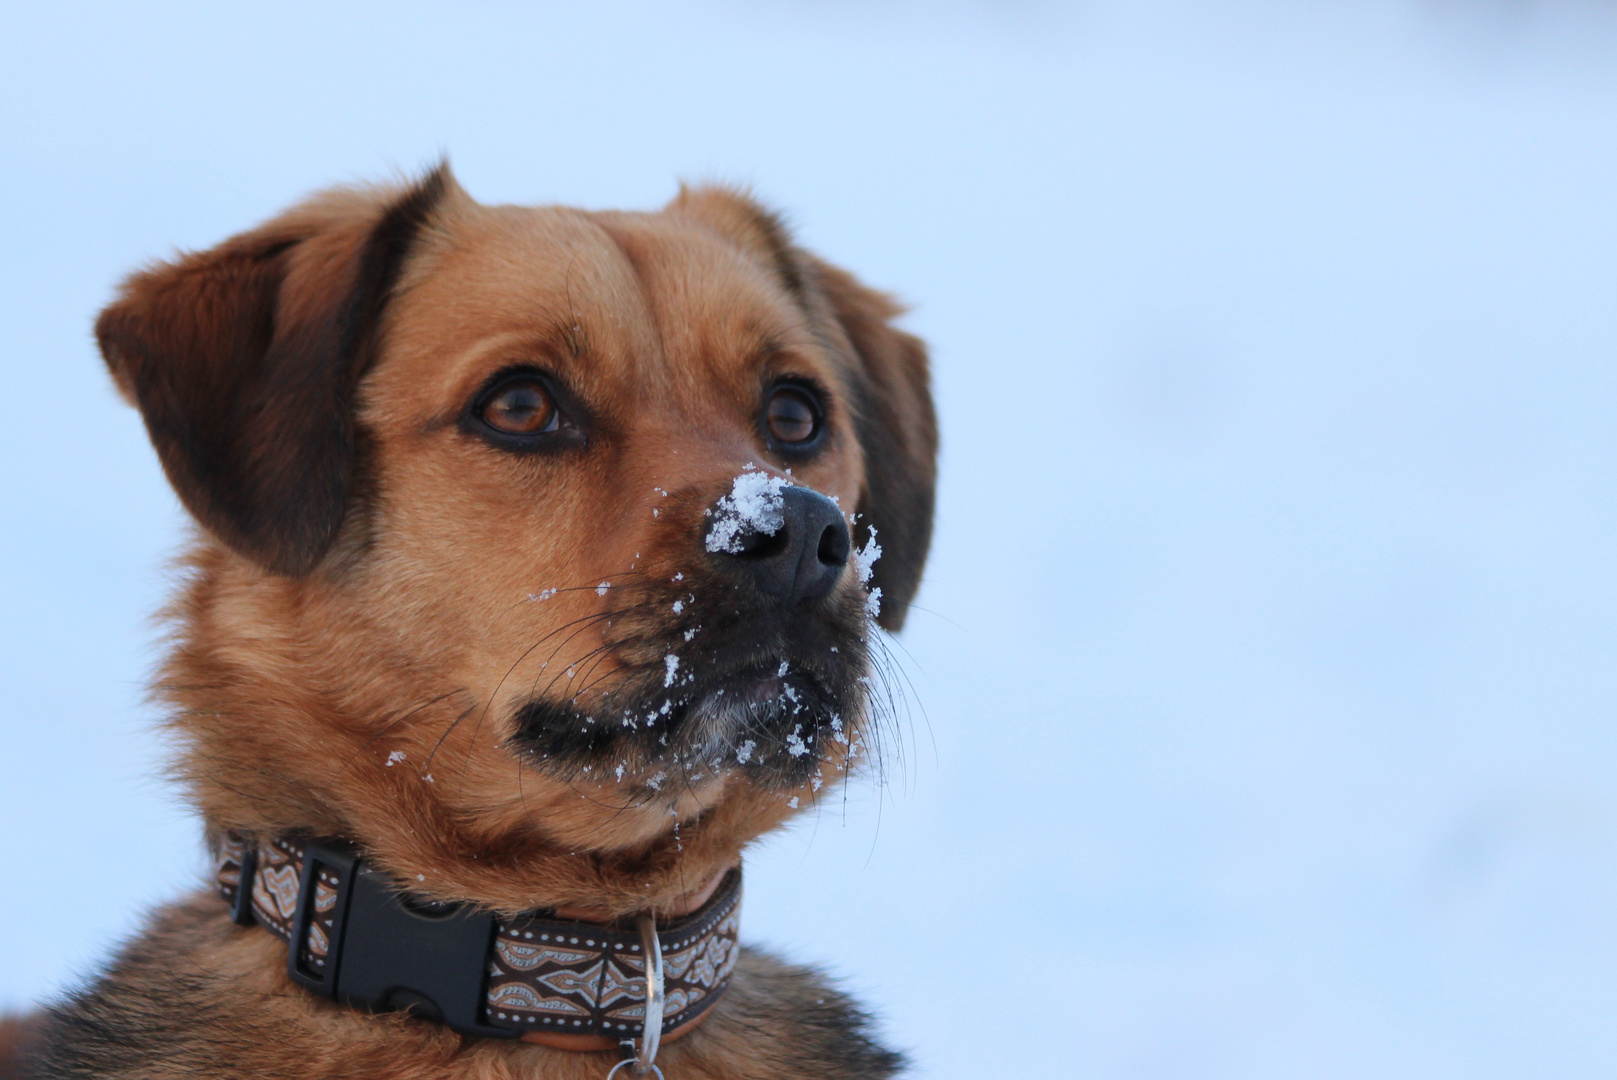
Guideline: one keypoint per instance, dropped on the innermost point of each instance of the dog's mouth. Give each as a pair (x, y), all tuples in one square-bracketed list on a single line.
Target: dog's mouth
[(777, 721), (787, 710)]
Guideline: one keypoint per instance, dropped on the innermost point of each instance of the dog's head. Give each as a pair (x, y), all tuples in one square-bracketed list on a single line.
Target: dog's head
[(530, 536)]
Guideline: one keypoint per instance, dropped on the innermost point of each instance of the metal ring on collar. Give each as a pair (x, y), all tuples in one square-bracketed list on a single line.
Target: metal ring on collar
[(652, 948), (635, 1061)]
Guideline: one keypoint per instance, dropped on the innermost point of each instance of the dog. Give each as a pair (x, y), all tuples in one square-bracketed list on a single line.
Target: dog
[(538, 560)]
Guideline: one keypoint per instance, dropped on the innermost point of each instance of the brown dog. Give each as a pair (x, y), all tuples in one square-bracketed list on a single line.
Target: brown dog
[(525, 583)]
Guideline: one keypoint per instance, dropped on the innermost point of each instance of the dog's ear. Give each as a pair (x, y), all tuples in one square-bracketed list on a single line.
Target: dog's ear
[(898, 430), (243, 361)]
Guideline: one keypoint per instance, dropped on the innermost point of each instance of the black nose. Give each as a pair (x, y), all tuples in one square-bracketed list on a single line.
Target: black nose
[(793, 551)]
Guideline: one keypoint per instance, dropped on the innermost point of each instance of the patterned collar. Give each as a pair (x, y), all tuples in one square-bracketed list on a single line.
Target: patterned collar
[(353, 937)]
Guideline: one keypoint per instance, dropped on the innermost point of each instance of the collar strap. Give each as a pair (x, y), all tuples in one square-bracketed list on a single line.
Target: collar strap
[(354, 937)]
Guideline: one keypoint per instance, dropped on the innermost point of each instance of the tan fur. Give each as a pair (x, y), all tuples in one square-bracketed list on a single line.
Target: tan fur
[(308, 654)]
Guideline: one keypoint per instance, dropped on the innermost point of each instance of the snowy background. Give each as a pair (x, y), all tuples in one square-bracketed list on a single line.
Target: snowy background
[(1267, 652)]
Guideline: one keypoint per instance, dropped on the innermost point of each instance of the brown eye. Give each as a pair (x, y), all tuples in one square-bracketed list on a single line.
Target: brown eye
[(792, 416), (521, 407)]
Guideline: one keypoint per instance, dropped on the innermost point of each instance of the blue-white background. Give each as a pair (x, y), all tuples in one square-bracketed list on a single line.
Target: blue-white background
[(1267, 652)]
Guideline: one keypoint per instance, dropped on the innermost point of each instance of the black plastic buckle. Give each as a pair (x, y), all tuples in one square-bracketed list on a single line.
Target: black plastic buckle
[(340, 860), (241, 905), (390, 953)]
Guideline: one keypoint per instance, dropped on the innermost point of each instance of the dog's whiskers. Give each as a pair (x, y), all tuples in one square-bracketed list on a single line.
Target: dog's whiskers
[(572, 668), (427, 768), (581, 623), (395, 722)]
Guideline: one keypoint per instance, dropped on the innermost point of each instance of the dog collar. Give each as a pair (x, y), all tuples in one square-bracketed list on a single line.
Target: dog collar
[(354, 937)]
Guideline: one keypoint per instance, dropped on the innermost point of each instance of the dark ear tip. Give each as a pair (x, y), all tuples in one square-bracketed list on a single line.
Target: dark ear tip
[(111, 332), (108, 329), (892, 617), (291, 560)]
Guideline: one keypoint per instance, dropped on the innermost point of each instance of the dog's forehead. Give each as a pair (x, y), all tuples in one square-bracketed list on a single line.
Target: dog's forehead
[(614, 300)]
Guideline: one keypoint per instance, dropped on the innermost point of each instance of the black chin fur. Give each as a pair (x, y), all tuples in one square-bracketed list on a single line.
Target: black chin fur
[(730, 705)]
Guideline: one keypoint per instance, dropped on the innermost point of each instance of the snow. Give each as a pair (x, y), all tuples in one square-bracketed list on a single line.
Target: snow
[(864, 562), (864, 559), (753, 504), (671, 662), (1262, 665)]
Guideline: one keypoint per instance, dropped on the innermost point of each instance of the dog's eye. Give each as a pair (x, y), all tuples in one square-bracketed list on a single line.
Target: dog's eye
[(521, 407), (793, 416)]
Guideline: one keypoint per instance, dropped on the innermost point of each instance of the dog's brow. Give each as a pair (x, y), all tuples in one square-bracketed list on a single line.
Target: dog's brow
[(565, 336), (638, 272)]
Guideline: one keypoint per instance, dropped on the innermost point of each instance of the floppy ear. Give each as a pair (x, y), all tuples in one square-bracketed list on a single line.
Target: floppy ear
[(243, 361), (898, 432)]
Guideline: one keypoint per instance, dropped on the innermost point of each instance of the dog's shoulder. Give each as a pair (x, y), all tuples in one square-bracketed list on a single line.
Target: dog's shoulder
[(182, 1000), (193, 997), (197, 996), (784, 1020)]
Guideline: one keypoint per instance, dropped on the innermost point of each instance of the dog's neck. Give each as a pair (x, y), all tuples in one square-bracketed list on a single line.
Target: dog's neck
[(676, 908)]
